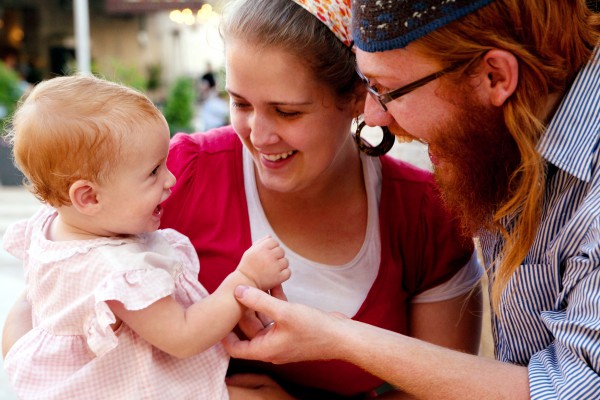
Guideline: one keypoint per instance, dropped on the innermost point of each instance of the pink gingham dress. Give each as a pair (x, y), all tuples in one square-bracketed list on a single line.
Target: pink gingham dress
[(72, 352)]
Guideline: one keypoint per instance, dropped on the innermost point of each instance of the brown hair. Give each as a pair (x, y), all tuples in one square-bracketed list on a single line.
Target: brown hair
[(285, 24), (549, 59), (71, 128)]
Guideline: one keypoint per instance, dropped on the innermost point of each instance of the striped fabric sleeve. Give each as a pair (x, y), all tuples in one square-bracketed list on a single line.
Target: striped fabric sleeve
[(570, 367)]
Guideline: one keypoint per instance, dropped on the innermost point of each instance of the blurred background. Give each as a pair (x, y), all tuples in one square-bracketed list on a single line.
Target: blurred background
[(157, 46)]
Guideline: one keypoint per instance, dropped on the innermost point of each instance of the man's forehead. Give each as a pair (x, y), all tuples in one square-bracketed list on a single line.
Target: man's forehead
[(385, 61)]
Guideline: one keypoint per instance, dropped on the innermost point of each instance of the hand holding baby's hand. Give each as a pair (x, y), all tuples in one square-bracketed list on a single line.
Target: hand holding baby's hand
[(265, 264)]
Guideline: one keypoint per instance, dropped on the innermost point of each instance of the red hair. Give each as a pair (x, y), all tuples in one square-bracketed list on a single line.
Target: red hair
[(70, 128)]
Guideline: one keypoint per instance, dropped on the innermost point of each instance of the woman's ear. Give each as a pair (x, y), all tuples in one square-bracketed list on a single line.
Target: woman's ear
[(359, 99), (84, 197), (500, 75)]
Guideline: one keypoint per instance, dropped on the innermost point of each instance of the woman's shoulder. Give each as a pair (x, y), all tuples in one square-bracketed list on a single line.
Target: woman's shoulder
[(397, 170), (406, 186), (214, 140), (198, 154)]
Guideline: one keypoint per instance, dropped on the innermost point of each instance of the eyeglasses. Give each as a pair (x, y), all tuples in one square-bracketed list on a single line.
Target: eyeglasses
[(384, 98)]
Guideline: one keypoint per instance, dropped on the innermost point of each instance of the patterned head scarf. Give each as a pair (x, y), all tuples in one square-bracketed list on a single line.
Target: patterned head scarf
[(381, 25), (333, 13)]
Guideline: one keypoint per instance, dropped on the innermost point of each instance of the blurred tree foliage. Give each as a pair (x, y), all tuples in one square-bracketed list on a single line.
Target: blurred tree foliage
[(10, 92), (179, 106), (127, 75), (154, 76)]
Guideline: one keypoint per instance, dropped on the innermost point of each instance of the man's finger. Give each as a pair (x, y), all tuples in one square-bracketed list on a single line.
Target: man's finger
[(237, 348), (257, 300), (251, 324), (278, 293)]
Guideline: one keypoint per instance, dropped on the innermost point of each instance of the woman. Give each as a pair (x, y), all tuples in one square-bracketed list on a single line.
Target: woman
[(365, 236)]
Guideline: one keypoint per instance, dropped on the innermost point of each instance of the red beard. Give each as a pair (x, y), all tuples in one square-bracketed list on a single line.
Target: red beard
[(476, 158)]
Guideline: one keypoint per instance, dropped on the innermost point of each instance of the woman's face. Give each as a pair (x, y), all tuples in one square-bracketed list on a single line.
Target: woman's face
[(296, 129)]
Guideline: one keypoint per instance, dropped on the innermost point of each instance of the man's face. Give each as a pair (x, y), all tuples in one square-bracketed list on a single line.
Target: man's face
[(473, 154)]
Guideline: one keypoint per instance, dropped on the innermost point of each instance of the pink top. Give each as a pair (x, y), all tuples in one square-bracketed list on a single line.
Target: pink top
[(72, 352)]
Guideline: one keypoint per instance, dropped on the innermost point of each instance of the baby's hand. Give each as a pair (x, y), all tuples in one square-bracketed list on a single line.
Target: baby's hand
[(265, 264)]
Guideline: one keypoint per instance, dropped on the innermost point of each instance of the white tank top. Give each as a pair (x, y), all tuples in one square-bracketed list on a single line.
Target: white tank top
[(343, 288)]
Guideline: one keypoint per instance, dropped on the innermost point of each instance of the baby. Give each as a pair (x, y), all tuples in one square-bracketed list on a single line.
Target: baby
[(117, 308)]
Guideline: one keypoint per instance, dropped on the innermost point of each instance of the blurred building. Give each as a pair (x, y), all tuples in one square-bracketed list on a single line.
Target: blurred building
[(151, 39)]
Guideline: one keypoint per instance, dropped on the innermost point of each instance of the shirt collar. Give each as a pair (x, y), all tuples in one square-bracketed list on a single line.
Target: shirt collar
[(572, 135)]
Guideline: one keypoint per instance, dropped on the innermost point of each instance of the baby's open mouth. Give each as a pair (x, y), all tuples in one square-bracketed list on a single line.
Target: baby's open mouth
[(157, 211)]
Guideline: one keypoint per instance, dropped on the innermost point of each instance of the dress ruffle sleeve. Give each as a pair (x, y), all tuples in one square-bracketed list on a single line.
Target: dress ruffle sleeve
[(15, 241), (136, 289)]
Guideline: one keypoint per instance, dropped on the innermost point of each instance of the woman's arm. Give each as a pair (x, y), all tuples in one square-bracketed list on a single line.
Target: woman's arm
[(453, 323), (18, 323), (422, 369), (185, 332), (255, 387)]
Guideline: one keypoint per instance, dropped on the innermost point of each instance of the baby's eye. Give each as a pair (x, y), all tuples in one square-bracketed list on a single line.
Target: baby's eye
[(155, 170)]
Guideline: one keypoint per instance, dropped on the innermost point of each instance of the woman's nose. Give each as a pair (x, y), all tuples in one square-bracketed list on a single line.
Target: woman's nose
[(263, 132)]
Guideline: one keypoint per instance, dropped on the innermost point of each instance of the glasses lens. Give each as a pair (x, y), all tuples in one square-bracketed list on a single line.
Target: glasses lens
[(372, 91), (375, 96)]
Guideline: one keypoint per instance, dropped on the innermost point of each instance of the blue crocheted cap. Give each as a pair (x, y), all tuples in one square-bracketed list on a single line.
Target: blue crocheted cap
[(381, 25)]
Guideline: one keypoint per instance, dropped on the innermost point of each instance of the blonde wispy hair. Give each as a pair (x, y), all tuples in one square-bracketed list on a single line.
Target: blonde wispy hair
[(71, 128)]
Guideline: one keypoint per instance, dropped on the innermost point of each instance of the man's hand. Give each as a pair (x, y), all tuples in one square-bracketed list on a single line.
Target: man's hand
[(299, 333)]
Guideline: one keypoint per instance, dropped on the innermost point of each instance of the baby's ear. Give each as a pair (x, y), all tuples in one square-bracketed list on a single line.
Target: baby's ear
[(84, 197)]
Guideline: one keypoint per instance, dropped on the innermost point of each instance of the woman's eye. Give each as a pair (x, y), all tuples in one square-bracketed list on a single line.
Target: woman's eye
[(288, 113), (236, 104)]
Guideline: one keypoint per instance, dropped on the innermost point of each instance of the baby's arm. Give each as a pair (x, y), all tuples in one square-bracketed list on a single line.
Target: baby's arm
[(184, 332)]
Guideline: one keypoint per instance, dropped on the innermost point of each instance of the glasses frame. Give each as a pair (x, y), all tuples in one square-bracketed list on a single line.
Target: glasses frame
[(384, 98)]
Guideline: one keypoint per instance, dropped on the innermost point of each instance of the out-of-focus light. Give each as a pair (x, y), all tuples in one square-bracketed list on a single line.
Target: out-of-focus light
[(205, 13), (176, 16), (188, 17), (1, 24), (16, 35)]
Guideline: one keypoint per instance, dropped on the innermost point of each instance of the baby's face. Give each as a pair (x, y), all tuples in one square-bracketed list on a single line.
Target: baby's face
[(132, 197)]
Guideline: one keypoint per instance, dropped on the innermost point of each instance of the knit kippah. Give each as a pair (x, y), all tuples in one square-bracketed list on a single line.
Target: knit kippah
[(380, 25), (333, 13)]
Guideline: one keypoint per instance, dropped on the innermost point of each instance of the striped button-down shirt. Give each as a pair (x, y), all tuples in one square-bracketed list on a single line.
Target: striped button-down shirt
[(550, 310)]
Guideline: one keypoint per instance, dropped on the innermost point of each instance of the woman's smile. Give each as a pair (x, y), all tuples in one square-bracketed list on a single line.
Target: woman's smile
[(277, 160)]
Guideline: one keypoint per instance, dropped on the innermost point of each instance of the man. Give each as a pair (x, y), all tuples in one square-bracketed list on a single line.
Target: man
[(509, 105)]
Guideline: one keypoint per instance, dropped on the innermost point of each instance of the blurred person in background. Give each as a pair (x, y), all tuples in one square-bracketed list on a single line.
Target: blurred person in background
[(213, 110)]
